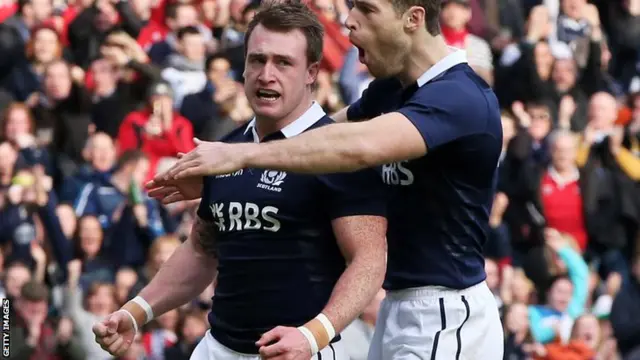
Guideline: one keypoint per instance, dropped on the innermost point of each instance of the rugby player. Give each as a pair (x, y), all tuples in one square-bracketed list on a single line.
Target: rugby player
[(298, 257), (435, 127)]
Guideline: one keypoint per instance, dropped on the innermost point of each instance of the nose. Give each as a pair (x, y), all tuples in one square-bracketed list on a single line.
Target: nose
[(267, 73), (350, 23)]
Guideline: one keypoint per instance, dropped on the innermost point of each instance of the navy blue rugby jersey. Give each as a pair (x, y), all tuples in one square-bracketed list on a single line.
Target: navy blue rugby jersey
[(278, 256), (440, 203)]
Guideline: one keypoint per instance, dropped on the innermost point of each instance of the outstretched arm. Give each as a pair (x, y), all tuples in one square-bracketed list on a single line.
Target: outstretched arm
[(341, 147)]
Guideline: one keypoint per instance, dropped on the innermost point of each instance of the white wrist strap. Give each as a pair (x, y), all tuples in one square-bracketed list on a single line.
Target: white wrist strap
[(328, 326), (145, 306), (310, 338), (133, 320)]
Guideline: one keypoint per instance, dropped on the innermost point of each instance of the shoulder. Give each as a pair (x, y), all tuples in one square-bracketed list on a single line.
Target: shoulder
[(236, 135), (460, 96)]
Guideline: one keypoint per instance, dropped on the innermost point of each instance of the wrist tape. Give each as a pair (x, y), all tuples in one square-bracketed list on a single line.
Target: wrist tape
[(319, 332)]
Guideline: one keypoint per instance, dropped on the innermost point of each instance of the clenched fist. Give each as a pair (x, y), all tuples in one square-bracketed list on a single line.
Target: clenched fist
[(115, 333)]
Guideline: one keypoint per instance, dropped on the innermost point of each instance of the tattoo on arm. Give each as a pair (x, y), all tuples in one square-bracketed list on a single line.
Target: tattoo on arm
[(204, 237)]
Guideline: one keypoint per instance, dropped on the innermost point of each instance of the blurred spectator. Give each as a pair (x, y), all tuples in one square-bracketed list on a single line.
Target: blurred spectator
[(97, 96)]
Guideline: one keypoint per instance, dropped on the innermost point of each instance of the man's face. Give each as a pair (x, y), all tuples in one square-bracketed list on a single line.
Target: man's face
[(186, 15), (564, 74), (455, 16), (218, 70), (57, 81), (277, 74), (192, 47), (42, 10), (573, 8), (377, 30), (560, 295), (32, 310), (563, 154)]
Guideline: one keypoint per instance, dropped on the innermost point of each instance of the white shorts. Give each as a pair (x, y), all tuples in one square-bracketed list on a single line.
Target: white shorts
[(210, 349), (430, 323)]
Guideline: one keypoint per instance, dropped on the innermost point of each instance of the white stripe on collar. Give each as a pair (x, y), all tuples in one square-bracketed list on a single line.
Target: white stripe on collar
[(456, 57), (310, 117)]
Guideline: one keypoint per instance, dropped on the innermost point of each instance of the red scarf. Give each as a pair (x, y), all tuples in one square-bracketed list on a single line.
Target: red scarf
[(455, 38)]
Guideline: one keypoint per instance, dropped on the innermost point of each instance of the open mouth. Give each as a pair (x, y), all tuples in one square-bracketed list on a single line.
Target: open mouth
[(360, 53), (267, 95)]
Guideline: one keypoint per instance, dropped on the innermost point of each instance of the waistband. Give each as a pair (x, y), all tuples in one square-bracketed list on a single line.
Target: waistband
[(436, 292)]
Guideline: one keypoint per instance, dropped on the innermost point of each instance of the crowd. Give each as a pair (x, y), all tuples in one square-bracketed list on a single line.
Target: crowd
[(97, 96)]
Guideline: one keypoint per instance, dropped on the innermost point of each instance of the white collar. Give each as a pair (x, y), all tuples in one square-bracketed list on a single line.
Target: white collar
[(456, 57), (310, 117), (562, 181)]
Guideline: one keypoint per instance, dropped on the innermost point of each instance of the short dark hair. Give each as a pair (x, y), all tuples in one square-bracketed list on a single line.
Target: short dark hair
[(431, 12), (187, 30), (289, 15), (34, 291), (130, 157)]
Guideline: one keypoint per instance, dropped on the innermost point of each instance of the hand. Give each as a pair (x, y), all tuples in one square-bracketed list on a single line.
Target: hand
[(37, 253), (177, 190), (615, 140), (284, 343), (77, 75), (115, 55), (554, 239), (500, 204), (566, 111), (613, 283), (74, 270), (208, 158), (65, 330), (115, 333), (521, 113)]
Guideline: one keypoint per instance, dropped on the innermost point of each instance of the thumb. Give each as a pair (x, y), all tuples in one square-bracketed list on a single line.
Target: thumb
[(197, 141), (112, 323)]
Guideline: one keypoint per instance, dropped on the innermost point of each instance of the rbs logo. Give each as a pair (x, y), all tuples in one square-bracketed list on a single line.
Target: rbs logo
[(237, 216), (397, 174)]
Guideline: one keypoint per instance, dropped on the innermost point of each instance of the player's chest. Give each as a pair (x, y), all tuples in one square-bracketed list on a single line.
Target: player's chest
[(263, 199)]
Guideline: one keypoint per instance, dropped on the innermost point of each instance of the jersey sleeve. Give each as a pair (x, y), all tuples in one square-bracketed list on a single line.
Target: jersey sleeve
[(438, 124), (357, 193), (204, 212), (375, 100)]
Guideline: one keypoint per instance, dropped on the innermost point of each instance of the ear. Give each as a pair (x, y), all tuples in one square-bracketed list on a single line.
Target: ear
[(312, 73), (414, 18)]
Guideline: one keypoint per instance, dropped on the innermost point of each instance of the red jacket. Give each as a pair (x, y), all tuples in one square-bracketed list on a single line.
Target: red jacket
[(168, 144)]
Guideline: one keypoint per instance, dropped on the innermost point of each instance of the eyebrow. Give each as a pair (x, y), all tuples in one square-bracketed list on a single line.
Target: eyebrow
[(254, 55)]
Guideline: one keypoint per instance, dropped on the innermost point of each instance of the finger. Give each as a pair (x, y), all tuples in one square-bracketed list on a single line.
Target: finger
[(173, 198), (163, 191), (126, 344), (112, 325), (197, 141), (115, 346), (272, 351), (100, 330), (270, 336), (151, 184), (106, 341), (181, 167), (180, 155)]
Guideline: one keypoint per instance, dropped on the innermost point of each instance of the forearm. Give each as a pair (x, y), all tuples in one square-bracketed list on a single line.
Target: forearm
[(181, 278), (190, 269), (355, 289), (344, 147), (329, 149)]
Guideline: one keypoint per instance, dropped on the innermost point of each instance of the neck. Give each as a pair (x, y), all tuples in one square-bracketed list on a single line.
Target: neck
[(426, 52), (564, 172), (265, 126)]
